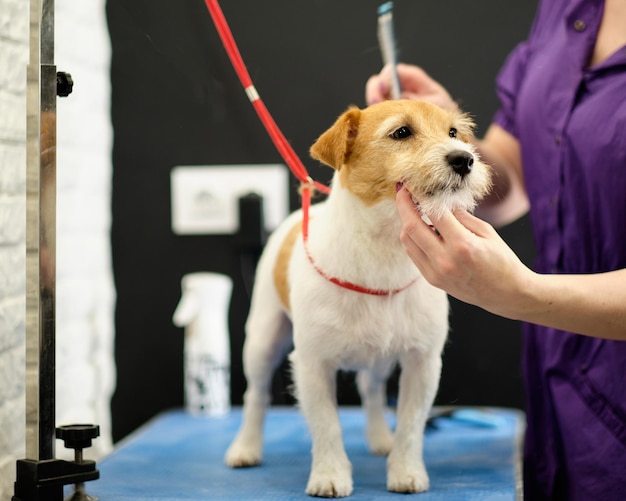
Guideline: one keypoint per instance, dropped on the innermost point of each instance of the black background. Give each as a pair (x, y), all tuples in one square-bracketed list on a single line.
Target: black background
[(177, 101)]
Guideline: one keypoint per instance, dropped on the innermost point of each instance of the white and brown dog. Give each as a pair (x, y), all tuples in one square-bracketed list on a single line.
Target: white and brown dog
[(393, 316)]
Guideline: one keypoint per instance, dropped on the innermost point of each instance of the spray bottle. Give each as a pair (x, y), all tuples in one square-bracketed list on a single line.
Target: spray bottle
[(203, 312)]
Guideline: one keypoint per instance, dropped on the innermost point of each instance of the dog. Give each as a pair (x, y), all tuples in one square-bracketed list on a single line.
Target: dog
[(347, 297)]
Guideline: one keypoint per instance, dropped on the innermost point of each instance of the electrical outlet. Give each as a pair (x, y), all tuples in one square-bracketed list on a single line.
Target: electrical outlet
[(205, 198)]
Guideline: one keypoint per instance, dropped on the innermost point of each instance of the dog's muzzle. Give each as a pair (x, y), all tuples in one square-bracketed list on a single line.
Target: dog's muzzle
[(461, 162)]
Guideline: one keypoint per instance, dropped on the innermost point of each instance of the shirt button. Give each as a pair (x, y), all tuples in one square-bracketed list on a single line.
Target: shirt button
[(557, 139), (580, 25)]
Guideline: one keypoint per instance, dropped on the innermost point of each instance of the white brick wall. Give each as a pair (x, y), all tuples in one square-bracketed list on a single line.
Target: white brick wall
[(14, 19), (85, 293)]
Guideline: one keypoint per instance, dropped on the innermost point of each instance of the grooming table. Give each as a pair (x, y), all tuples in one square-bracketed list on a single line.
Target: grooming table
[(473, 455)]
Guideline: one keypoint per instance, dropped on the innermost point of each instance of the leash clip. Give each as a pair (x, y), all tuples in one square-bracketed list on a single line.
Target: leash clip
[(307, 185)]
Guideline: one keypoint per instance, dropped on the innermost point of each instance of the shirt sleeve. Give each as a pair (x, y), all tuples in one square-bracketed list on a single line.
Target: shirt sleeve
[(508, 83)]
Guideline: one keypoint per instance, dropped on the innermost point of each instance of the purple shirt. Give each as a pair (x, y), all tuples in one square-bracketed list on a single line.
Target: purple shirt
[(570, 121)]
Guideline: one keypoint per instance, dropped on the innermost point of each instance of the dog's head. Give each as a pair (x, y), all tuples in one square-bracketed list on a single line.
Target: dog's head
[(416, 143)]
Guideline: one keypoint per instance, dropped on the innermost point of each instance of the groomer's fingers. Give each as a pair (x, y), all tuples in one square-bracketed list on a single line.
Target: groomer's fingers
[(449, 228), (417, 84), (455, 224), (378, 87), (414, 229), (406, 207), (376, 90), (474, 224)]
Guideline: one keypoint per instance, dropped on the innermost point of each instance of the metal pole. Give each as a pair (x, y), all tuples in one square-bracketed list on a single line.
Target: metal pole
[(41, 233), (41, 477)]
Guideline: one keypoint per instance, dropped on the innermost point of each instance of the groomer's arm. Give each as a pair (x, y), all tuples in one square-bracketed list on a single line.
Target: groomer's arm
[(470, 261), (507, 200)]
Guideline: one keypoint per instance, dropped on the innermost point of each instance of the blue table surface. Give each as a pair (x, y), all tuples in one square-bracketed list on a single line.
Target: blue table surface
[(177, 456)]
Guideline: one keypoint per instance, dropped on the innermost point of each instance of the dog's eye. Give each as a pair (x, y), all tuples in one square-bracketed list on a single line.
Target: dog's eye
[(401, 133), (452, 133)]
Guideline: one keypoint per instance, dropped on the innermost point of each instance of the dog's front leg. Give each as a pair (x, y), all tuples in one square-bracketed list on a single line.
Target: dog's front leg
[(419, 381), (331, 471)]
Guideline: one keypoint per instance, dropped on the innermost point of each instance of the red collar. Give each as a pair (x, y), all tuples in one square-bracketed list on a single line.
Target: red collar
[(306, 204)]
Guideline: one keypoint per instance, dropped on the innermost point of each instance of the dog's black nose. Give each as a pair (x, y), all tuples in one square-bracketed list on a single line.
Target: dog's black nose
[(461, 162)]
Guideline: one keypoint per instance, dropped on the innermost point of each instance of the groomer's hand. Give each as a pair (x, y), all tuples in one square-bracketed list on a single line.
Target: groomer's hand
[(416, 84), (465, 257)]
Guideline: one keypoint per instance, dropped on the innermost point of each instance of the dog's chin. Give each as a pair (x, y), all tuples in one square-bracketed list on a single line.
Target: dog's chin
[(437, 204)]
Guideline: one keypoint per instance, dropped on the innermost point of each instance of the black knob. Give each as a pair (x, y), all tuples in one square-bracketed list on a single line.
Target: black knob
[(78, 436), (65, 84)]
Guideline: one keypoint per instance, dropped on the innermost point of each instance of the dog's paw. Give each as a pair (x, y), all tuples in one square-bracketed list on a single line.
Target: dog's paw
[(242, 454), (330, 483), (380, 440), (404, 478)]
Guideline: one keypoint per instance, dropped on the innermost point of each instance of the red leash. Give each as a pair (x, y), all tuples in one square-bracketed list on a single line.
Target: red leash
[(283, 146)]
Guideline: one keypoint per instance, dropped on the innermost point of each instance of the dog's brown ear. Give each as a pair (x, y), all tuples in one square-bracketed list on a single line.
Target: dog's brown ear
[(334, 146)]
